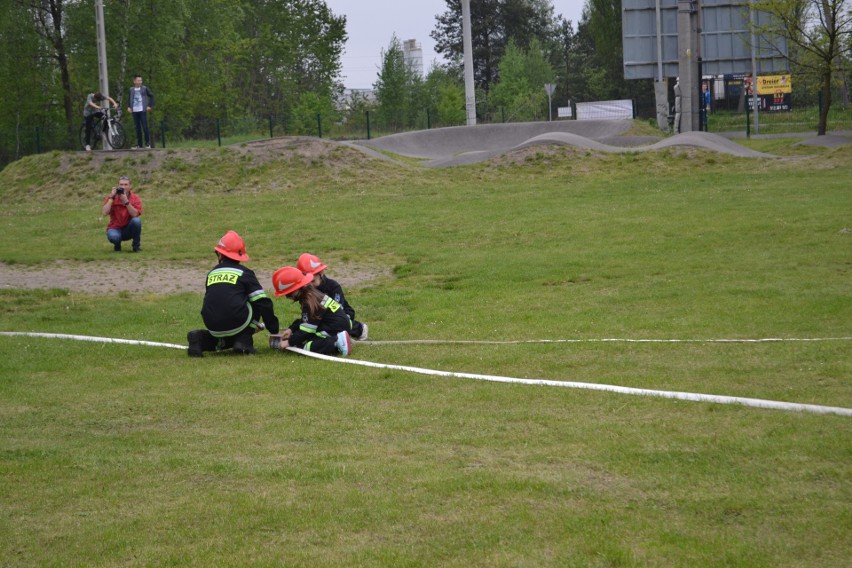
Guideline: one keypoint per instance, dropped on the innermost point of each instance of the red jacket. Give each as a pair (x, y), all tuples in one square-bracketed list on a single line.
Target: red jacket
[(118, 215)]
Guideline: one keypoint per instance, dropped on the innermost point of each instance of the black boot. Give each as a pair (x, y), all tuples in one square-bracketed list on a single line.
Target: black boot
[(195, 338), (244, 343)]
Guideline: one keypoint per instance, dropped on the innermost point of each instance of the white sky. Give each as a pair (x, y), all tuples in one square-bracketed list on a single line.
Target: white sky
[(371, 24)]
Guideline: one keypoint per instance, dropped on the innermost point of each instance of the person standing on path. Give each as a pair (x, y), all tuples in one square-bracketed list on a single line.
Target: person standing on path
[(140, 102)]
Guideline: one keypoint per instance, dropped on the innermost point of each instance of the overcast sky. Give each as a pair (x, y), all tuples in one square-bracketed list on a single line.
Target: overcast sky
[(371, 24)]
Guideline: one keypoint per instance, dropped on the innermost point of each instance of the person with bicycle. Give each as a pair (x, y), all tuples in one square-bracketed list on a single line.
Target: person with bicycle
[(124, 208), (94, 111)]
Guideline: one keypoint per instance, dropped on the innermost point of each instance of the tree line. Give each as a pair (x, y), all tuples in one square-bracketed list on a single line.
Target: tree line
[(240, 58), (237, 59), (202, 58)]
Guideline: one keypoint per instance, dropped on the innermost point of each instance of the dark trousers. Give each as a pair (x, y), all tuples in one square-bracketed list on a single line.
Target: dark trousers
[(90, 124), (243, 341), (140, 121), (321, 345)]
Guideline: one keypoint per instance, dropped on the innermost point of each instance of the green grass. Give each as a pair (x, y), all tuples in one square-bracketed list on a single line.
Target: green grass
[(126, 455)]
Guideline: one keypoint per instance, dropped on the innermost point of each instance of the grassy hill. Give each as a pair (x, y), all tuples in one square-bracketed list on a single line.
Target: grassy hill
[(129, 455)]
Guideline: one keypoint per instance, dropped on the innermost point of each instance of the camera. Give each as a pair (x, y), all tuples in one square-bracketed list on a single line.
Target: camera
[(119, 191)]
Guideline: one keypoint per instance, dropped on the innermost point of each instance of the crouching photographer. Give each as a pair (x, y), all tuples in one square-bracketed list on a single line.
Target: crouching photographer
[(124, 209)]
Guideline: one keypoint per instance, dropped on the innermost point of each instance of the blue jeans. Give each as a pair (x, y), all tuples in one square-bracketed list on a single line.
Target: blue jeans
[(140, 121), (133, 230)]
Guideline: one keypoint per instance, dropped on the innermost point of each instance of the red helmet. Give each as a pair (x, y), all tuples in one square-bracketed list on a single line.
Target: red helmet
[(232, 246), (288, 280), (310, 263)]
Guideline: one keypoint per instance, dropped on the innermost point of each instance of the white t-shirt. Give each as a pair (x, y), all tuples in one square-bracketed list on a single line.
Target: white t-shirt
[(137, 100)]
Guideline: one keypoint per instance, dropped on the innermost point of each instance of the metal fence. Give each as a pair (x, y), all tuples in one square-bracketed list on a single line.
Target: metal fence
[(184, 131), (802, 118)]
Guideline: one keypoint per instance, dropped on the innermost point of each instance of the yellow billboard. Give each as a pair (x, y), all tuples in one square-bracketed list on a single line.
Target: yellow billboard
[(774, 84)]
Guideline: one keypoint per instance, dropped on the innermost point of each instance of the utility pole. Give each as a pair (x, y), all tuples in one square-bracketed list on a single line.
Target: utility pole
[(755, 101), (102, 60), (688, 41), (469, 93)]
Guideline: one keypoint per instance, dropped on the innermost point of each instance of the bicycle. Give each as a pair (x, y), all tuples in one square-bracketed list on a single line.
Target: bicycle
[(115, 134)]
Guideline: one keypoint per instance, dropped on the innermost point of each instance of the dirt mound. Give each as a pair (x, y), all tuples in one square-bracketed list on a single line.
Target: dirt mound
[(261, 151)]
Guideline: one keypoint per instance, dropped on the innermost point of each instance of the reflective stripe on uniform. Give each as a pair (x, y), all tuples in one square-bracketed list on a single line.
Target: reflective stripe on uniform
[(257, 295), (312, 329), (330, 304)]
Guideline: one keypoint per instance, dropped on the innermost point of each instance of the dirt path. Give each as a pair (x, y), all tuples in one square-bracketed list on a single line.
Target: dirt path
[(144, 277)]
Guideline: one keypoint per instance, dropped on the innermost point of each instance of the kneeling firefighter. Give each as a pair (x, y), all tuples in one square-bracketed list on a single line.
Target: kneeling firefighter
[(234, 304)]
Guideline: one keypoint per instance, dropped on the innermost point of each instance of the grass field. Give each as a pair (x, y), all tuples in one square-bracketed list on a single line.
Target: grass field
[(117, 455)]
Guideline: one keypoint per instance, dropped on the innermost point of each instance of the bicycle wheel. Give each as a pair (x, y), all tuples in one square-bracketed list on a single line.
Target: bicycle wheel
[(116, 136)]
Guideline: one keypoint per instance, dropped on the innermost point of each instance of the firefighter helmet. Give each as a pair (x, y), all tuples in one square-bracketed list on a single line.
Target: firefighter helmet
[(232, 246), (288, 280), (310, 263)]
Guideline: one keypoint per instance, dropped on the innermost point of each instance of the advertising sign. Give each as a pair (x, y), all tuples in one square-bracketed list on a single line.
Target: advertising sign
[(775, 92)]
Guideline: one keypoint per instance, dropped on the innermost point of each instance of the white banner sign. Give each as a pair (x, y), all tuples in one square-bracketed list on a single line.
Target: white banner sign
[(605, 110)]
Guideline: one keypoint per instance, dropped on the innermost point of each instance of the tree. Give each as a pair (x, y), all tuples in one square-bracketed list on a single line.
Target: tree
[(305, 111), (603, 18), (27, 74), (397, 88), (287, 48), (569, 55), (202, 58), (817, 33), (444, 95), (48, 18), (493, 24), (523, 74)]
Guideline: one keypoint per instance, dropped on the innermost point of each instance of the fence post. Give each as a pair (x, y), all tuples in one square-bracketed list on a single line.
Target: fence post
[(368, 124), (502, 114), (702, 115), (38, 140), (163, 132), (428, 120), (748, 121), (270, 126), (319, 125), (218, 132)]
